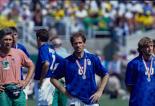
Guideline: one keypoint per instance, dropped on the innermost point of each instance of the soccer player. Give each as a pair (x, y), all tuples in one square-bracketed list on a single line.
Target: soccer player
[(140, 77), (45, 65), (11, 61), (79, 70)]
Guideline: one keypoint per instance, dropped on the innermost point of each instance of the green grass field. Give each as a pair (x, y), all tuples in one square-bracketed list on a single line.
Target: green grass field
[(105, 101)]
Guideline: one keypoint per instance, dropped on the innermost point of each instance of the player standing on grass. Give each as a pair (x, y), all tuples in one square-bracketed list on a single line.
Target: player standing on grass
[(79, 70), (45, 65)]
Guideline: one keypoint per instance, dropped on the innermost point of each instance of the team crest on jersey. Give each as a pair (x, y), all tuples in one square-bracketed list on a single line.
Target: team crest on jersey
[(5, 65), (88, 62)]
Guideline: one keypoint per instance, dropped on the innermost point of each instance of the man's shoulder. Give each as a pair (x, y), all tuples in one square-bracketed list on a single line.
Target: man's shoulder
[(135, 60), (91, 56), (46, 48), (69, 57), (16, 51), (45, 45)]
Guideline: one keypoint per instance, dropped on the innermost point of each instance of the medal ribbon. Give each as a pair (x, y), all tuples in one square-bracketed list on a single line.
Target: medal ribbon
[(80, 67), (148, 70)]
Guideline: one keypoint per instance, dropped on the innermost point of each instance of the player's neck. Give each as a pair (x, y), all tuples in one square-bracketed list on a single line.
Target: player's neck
[(4, 50), (146, 57), (41, 43), (79, 54)]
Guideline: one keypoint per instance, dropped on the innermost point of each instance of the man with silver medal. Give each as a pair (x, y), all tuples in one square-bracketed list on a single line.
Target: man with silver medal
[(140, 78), (79, 70)]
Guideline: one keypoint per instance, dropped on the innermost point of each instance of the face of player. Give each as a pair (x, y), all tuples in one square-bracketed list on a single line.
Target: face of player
[(78, 45), (148, 50), (6, 42)]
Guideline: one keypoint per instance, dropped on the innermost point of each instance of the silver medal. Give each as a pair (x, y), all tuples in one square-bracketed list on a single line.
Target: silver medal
[(148, 79), (84, 76), (148, 70)]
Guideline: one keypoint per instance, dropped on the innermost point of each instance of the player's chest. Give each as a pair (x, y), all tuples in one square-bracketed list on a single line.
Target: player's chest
[(8, 62), (80, 66)]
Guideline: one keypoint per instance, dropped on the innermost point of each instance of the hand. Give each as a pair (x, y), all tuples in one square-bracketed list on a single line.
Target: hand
[(22, 84), (1, 88), (68, 95), (96, 97)]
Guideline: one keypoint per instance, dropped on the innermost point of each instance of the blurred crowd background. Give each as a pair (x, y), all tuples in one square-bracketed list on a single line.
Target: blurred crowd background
[(99, 19), (66, 16)]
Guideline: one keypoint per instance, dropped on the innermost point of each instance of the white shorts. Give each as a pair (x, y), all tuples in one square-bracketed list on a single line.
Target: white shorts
[(44, 95), (77, 102), (29, 89)]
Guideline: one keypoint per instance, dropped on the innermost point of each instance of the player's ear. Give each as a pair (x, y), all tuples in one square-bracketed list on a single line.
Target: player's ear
[(84, 44)]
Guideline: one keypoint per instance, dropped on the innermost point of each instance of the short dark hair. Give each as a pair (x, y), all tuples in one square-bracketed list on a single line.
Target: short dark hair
[(43, 35), (143, 42), (76, 35), (4, 32)]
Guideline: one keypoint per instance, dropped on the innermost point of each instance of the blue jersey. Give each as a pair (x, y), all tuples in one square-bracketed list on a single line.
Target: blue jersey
[(21, 47), (76, 85), (143, 91), (46, 53)]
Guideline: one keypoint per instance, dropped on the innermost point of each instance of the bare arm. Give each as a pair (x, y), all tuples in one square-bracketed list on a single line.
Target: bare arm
[(30, 73), (44, 70), (59, 86), (96, 96), (23, 83)]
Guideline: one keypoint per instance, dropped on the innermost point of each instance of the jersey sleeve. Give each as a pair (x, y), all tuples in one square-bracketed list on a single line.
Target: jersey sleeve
[(99, 69), (43, 53), (130, 77), (25, 61), (59, 72)]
